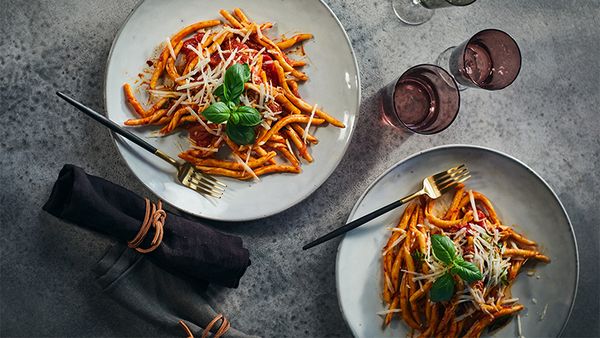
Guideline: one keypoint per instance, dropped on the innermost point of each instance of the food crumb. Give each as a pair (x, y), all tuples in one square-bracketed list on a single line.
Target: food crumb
[(544, 312)]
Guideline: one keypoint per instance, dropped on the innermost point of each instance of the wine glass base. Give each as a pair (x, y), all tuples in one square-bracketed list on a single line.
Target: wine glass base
[(411, 12)]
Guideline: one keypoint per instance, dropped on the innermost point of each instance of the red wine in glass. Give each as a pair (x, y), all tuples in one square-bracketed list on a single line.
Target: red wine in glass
[(490, 60), (424, 100)]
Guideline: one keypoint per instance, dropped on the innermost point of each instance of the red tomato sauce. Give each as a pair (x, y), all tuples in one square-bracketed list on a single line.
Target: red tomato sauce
[(269, 70), (199, 136), (193, 41)]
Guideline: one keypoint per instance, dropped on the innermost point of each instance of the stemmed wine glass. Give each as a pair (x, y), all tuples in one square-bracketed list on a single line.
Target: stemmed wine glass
[(416, 12), (490, 60), (424, 100)]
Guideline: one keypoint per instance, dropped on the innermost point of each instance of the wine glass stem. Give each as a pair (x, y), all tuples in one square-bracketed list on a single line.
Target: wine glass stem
[(443, 60)]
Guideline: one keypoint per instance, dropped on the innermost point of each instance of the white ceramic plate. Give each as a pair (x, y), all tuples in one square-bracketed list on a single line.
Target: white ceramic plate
[(519, 195), (334, 85)]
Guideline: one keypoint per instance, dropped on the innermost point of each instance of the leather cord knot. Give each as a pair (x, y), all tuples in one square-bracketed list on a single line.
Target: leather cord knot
[(223, 327), (155, 217)]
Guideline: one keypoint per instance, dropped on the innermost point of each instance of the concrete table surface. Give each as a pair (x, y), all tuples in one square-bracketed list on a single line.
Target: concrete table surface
[(549, 118)]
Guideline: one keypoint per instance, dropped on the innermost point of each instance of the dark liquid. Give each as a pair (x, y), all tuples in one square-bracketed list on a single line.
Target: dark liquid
[(478, 64), (424, 100), (414, 101)]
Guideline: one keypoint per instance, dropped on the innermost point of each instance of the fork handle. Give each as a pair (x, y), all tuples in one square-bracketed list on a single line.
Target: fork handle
[(364, 219), (116, 128)]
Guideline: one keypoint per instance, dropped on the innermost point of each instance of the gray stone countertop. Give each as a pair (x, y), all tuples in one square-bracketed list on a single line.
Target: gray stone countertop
[(549, 118)]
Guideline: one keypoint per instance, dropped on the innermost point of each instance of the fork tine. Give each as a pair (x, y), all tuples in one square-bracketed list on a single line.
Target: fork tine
[(452, 177), (205, 191), (207, 185), (447, 172), (450, 174), (464, 179), (453, 184), (210, 178)]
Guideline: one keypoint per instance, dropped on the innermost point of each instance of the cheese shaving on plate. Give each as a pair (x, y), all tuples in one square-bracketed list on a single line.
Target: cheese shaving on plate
[(208, 129), (170, 46), (312, 114), (246, 167)]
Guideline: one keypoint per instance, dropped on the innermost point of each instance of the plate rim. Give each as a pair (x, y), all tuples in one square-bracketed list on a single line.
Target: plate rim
[(116, 139), (456, 146)]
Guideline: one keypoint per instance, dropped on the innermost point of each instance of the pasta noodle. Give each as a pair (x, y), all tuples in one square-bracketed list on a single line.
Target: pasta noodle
[(410, 268), (190, 67)]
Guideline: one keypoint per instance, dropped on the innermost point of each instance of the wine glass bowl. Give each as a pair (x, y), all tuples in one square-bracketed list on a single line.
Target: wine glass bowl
[(424, 100), (490, 60)]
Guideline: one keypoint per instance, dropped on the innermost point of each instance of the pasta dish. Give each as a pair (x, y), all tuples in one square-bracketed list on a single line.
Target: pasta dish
[(448, 270), (232, 87)]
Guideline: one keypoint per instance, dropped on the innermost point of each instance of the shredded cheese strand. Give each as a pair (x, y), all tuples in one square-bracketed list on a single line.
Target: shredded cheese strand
[(312, 114)]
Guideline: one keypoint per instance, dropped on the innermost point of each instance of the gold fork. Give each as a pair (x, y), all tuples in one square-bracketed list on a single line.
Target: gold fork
[(434, 186), (186, 173)]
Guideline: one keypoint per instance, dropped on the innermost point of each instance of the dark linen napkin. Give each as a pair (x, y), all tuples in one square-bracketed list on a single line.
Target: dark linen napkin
[(188, 247), (156, 295)]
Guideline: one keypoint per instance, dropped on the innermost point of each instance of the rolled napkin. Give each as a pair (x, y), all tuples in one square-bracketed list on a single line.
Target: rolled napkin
[(154, 294), (187, 247)]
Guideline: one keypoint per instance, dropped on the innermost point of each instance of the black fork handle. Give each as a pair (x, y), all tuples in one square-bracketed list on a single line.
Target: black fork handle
[(355, 224), (108, 123)]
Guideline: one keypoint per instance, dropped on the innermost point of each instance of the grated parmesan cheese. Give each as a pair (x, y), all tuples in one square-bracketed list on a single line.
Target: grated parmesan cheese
[(246, 167), (396, 242), (170, 46), (206, 34), (174, 106), (259, 32), (511, 300), (248, 154), (213, 150), (163, 93), (312, 114), (287, 141), (247, 36), (473, 206), (385, 312), (191, 111)]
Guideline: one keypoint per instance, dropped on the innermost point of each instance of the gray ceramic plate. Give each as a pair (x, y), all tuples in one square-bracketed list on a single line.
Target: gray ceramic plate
[(334, 85), (520, 197)]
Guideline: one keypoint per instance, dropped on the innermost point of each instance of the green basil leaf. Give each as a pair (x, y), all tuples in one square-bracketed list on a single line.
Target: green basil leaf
[(249, 116), (222, 93), (217, 112), (234, 118), (443, 248), (442, 289), (466, 270), (235, 77), (231, 106), (240, 134)]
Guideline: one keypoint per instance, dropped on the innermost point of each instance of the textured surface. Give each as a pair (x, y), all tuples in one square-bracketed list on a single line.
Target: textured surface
[(548, 118)]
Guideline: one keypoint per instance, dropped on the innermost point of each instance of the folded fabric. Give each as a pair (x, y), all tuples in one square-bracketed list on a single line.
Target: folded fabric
[(155, 294), (188, 247)]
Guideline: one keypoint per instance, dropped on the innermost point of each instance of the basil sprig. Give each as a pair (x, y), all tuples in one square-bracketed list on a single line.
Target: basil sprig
[(445, 252), (241, 120)]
